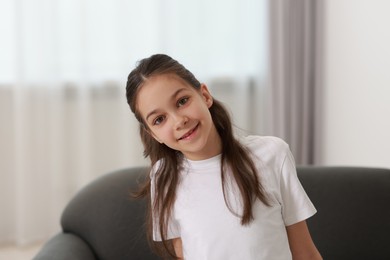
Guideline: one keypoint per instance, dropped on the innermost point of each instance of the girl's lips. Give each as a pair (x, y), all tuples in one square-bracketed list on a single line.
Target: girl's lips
[(189, 133)]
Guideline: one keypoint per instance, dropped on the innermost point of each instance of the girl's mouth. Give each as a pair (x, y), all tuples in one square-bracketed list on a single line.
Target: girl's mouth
[(189, 133)]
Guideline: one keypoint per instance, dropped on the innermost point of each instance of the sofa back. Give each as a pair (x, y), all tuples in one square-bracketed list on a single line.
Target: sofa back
[(353, 218), (105, 216)]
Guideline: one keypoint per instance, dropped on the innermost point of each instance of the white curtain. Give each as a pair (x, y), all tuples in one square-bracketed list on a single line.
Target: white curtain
[(63, 68)]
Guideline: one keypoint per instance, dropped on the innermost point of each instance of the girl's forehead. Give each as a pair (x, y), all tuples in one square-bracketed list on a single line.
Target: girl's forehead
[(164, 78)]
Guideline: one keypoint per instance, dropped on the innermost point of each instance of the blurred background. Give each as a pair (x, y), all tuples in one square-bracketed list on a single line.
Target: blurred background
[(312, 72)]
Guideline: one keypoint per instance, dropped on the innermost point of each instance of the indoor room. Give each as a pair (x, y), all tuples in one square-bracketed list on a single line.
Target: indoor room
[(313, 73)]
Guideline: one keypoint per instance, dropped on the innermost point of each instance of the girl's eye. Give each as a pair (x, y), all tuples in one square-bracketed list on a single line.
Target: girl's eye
[(182, 101), (158, 120)]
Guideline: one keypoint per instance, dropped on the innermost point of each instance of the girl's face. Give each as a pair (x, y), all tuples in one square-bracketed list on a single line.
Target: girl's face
[(178, 115)]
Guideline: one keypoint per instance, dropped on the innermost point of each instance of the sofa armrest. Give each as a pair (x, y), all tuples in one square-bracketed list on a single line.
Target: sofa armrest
[(65, 246)]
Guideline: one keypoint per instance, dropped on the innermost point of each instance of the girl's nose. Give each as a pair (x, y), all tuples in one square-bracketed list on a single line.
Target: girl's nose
[(180, 121)]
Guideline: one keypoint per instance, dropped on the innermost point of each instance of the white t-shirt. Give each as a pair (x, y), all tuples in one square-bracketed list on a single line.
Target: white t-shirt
[(209, 230)]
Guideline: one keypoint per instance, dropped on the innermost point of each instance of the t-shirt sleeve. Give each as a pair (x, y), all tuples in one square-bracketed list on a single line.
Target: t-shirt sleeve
[(296, 205), (173, 230)]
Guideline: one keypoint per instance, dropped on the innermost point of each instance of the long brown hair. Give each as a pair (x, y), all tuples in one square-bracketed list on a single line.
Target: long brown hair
[(234, 155)]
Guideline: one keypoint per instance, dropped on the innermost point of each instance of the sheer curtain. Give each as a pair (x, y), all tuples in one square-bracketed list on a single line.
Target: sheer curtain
[(63, 68)]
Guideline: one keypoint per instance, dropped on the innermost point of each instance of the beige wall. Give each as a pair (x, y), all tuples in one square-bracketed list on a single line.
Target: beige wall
[(356, 126)]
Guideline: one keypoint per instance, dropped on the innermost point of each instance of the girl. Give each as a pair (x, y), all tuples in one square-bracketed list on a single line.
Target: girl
[(213, 195)]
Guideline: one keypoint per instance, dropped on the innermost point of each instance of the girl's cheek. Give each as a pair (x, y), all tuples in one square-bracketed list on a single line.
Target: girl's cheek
[(165, 132)]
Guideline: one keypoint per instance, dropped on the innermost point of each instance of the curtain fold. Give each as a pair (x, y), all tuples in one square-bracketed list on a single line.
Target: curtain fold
[(294, 85)]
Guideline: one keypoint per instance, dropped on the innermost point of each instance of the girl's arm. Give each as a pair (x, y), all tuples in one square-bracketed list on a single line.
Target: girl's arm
[(178, 247), (301, 244)]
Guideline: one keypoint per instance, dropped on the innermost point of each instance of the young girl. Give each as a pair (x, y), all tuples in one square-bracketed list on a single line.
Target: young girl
[(213, 195)]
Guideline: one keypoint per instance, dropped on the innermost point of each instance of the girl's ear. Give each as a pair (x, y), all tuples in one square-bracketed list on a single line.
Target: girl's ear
[(208, 98)]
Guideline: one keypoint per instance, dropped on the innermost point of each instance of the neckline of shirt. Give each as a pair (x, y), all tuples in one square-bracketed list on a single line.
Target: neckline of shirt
[(204, 164)]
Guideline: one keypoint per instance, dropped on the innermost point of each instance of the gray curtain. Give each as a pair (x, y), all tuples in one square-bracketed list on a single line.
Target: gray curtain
[(295, 85)]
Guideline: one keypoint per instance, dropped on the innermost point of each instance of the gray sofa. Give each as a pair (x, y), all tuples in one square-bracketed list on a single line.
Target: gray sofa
[(353, 219)]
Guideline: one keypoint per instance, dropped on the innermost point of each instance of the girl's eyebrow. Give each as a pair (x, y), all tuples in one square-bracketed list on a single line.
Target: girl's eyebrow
[(173, 96)]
